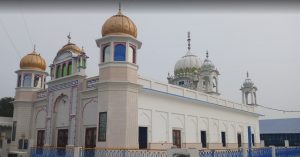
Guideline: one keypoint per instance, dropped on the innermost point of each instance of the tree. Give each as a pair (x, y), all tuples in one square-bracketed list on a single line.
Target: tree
[(6, 107)]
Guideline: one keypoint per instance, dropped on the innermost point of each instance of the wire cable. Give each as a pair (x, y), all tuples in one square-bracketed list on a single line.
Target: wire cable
[(280, 110), (26, 25), (10, 39)]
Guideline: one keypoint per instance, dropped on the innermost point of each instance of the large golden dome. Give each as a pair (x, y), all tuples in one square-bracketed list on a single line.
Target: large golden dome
[(119, 25), (33, 61), (70, 47)]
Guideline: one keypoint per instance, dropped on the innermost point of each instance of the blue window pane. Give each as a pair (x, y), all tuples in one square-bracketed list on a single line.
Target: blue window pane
[(119, 52)]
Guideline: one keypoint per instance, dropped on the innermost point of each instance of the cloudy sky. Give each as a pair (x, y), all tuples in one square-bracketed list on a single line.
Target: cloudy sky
[(263, 39)]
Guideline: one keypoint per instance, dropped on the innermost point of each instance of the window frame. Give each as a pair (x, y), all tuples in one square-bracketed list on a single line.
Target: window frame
[(104, 46), (102, 127), (114, 52), (133, 53)]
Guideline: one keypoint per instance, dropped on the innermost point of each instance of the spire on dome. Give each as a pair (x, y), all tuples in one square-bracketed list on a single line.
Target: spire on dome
[(247, 74), (189, 41), (120, 8), (69, 38), (206, 54)]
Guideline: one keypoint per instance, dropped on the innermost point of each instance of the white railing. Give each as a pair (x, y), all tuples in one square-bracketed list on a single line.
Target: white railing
[(180, 91)]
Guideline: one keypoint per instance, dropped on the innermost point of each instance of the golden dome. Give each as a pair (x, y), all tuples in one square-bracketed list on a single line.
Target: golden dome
[(119, 25), (33, 61), (70, 47)]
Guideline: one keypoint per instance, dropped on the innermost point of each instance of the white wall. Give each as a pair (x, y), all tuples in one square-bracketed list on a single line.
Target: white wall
[(162, 112)]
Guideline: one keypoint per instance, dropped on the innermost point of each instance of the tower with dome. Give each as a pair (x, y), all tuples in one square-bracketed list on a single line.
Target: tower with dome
[(190, 72), (118, 108)]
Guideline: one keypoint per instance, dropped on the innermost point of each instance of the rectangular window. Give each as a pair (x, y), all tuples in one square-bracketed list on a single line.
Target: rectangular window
[(223, 135), (239, 138), (252, 138), (177, 138), (13, 134), (23, 144), (181, 83), (19, 81), (40, 138), (102, 126), (203, 139)]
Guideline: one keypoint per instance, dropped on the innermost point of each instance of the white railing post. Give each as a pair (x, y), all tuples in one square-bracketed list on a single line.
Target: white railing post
[(286, 143), (273, 151), (77, 151), (245, 153)]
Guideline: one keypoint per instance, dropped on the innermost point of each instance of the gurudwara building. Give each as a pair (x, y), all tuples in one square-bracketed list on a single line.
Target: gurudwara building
[(121, 109)]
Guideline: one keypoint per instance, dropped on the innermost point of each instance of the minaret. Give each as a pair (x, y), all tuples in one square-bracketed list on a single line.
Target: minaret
[(31, 77), (209, 77), (249, 92), (118, 88)]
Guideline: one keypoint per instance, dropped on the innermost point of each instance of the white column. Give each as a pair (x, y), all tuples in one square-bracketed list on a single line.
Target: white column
[(243, 97), (72, 126), (32, 79), (48, 138), (252, 99)]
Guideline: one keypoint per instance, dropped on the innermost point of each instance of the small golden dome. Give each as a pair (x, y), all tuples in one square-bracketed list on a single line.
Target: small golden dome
[(33, 61), (70, 47), (119, 25)]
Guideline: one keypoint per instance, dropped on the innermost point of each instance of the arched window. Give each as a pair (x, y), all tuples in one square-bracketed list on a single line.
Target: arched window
[(70, 68), (19, 80), (58, 72), (27, 80), (44, 82), (131, 54), (37, 81), (106, 54), (52, 72), (84, 63), (64, 70), (120, 50)]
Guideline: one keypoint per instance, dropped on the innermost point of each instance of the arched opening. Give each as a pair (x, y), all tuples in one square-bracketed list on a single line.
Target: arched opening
[(131, 55), (106, 54), (248, 98), (69, 68), (215, 85), (27, 80), (254, 94), (206, 83), (19, 80), (119, 54), (64, 70), (52, 72), (37, 80), (44, 82), (58, 71), (61, 121)]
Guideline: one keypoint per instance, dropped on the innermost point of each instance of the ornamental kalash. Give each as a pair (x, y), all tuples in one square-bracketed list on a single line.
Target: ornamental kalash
[(121, 109)]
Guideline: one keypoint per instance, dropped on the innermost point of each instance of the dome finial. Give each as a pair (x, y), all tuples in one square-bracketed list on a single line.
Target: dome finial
[(69, 38), (247, 74), (189, 40), (206, 54), (120, 8), (82, 49), (34, 47)]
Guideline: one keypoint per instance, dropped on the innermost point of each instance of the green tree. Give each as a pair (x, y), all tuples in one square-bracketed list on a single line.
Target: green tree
[(6, 107)]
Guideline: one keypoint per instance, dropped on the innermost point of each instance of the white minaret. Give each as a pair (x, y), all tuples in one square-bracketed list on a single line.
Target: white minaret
[(118, 88), (249, 92), (31, 78), (209, 77)]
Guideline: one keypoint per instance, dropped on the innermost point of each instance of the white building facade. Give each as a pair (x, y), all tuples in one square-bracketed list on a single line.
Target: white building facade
[(120, 109)]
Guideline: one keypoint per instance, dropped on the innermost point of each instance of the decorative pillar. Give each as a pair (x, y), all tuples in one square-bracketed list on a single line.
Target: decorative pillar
[(72, 122), (48, 139)]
